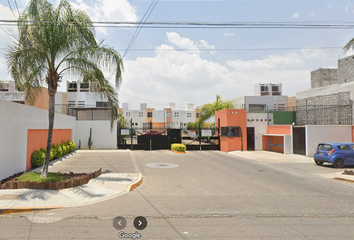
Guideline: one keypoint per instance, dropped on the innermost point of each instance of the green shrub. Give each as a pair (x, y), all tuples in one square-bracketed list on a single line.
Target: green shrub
[(65, 149), (58, 151), (178, 147), (52, 154), (37, 158)]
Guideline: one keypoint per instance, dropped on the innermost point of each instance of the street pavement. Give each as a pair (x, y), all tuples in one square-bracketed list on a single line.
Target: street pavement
[(203, 195)]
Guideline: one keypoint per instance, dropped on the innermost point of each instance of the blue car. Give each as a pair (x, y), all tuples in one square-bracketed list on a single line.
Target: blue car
[(338, 154)]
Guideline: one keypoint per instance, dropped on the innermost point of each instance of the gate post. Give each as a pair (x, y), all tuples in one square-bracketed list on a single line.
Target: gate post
[(150, 126), (200, 138), (131, 134)]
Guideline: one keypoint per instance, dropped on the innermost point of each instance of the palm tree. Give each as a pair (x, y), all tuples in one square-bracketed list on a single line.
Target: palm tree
[(54, 41), (208, 110)]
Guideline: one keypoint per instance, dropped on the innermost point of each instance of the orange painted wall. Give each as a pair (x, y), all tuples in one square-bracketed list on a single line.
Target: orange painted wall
[(37, 139), (273, 140), (279, 129), (232, 118), (42, 100)]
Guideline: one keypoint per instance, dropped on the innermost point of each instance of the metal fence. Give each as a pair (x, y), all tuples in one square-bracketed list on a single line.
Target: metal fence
[(324, 115), (84, 112)]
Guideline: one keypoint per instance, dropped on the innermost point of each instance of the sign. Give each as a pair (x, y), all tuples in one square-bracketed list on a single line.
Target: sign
[(192, 134), (124, 132), (206, 133)]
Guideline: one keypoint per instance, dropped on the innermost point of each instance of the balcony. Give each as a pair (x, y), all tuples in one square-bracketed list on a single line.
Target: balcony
[(84, 87), (72, 87), (4, 86)]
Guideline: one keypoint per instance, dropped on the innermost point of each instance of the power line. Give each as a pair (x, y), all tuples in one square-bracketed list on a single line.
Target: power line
[(212, 25), (137, 30), (11, 8), (18, 11)]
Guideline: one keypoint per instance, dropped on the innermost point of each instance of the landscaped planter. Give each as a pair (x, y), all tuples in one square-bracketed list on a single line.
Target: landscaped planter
[(178, 148), (67, 183)]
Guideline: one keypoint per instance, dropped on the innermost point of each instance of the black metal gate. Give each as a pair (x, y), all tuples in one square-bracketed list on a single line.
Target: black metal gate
[(299, 140), (149, 137), (201, 139)]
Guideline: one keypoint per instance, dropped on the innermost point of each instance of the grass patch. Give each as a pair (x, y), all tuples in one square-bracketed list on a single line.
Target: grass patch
[(36, 177)]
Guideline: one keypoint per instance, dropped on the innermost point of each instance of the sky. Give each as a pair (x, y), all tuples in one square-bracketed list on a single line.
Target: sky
[(178, 65)]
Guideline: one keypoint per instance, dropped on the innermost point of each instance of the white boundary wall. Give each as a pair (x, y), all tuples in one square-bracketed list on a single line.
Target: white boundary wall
[(316, 134), (15, 120), (102, 136), (260, 127)]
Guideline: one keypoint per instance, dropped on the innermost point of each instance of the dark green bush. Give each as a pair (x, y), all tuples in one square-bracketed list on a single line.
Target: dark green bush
[(57, 151), (178, 147), (37, 158)]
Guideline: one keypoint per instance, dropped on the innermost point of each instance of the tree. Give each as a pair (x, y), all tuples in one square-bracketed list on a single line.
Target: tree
[(54, 41), (208, 110)]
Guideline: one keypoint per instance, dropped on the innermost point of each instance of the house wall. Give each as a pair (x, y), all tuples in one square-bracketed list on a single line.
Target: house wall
[(345, 69), (37, 139), (102, 136), (316, 134), (15, 122), (280, 129), (232, 118), (324, 77), (260, 127)]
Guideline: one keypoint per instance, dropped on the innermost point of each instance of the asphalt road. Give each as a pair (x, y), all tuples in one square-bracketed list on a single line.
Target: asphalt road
[(210, 195)]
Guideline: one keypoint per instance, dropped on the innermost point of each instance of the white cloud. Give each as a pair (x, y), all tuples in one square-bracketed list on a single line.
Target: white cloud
[(186, 43), (347, 7), (184, 76), (228, 34), (296, 15), (108, 10)]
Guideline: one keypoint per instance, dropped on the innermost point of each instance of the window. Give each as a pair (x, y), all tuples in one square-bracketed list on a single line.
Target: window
[(136, 124), (176, 114), (344, 147), (102, 104), (189, 114), (256, 107), (71, 103), (275, 88), (197, 115), (264, 88), (168, 115), (81, 103), (231, 131), (141, 114), (127, 114), (149, 114)]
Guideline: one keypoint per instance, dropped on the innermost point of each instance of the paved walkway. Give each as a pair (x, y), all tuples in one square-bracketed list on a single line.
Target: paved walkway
[(110, 184), (271, 157)]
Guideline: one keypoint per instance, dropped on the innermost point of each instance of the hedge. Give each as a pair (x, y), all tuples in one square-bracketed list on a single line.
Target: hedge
[(178, 147), (57, 151)]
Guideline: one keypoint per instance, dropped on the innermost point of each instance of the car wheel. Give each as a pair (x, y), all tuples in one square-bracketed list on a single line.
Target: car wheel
[(319, 163), (338, 163)]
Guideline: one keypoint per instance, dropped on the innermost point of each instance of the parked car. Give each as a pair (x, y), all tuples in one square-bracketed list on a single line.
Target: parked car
[(152, 133), (338, 154)]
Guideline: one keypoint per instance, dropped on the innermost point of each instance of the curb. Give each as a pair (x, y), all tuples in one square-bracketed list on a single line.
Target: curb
[(178, 152), (343, 179), (135, 184), (12, 210)]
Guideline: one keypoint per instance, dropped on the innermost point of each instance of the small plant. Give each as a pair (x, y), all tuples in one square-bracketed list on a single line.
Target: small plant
[(79, 144), (90, 139), (37, 158), (178, 147)]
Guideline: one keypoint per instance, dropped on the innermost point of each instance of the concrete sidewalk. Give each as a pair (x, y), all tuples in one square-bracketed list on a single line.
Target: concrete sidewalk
[(273, 157), (107, 186)]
